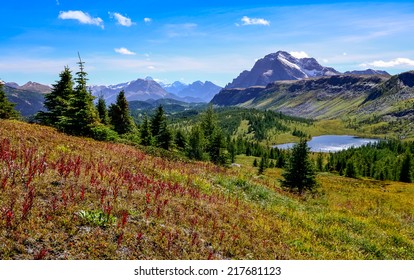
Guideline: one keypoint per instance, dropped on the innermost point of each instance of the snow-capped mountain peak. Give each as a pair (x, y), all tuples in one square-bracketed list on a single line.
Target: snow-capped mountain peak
[(280, 66)]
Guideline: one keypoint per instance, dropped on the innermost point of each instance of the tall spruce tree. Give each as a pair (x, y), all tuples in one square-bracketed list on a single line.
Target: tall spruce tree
[(299, 174), (120, 116), (102, 111), (262, 166), (81, 115), (145, 132), (6, 107), (209, 123), (217, 150), (57, 101), (180, 140), (196, 143), (350, 170), (165, 137), (157, 120), (405, 173), (319, 162)]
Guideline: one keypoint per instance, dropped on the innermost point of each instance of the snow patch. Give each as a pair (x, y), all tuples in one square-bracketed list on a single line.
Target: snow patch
[(268, 73)]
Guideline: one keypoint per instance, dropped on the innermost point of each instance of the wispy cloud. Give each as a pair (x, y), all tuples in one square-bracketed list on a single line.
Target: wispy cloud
[(122, 20), (398, 62), (254, 21), (181, 30), (299, 54), (147, 20), (82, 17), (124, 51)]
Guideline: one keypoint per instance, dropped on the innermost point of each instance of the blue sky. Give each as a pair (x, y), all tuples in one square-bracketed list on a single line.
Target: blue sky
[(187, 40)]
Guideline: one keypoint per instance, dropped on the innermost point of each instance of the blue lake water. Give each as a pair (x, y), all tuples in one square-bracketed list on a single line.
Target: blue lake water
[(332, 143)]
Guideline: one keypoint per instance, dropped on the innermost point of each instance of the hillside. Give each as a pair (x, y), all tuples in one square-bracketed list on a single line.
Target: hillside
[(65, 197), (27, 102), (325, 97), (372, 101)]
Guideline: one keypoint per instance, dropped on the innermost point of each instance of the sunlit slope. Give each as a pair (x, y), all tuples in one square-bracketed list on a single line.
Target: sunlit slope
[(64, 197)]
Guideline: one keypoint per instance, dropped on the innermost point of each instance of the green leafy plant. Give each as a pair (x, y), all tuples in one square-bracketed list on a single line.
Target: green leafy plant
[(96, 218)]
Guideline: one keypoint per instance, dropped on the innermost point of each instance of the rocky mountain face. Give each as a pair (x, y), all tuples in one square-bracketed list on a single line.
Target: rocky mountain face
[(145, 89), (327, 97), (195, 92), (31, 86), (173, 88), (140, 89), (367, 72), (27, 102), (280, 66)]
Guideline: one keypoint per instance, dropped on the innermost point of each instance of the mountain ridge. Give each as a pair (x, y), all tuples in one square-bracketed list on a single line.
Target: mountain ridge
[(327, 97), (280, 66)]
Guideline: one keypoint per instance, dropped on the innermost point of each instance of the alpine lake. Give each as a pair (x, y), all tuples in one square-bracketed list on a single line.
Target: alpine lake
[(332, 143)]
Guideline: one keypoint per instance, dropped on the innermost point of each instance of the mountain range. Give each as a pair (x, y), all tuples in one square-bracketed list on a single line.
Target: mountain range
[(145, 89), (140, 89), (330, 96), (278, 81), (28, 98), (194, 92), (31, 86), (281, 66)]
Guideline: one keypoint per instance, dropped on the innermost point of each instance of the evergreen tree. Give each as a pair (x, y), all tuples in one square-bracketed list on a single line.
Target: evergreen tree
[(299, 174), (145, 132), (263, 164), (81, 114), (350, 170), (120, 116), (405, 173), (180, 140), (209, 123), (102, 111), (165, 137), (157, 120), (255, 163), (196, 143), (319, 162), (231, 147), (281, 160), (6, 108), (217, 150), (57, 101)]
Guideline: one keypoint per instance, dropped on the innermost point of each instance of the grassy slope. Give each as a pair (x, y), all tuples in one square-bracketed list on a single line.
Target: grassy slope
[(176, 210)]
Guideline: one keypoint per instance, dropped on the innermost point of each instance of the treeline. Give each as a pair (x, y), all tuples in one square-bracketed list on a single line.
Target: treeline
[(384, 160), (7, 110), (259, 121), (70, 109)]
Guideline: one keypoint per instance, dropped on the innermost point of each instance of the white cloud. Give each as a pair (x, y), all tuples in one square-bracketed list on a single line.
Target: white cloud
[(254, 21), (147, 20), (404, 62), (82, 17), (299, 54), (124, 51), (122, 20)]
